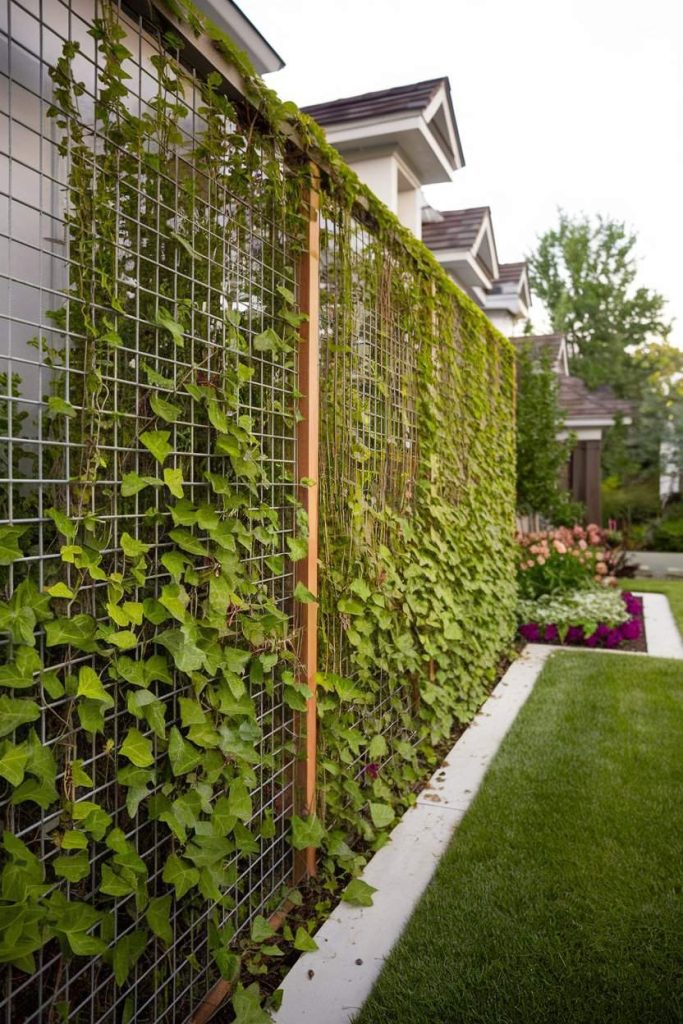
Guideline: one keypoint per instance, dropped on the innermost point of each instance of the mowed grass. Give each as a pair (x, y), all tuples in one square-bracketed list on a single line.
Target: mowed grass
[(559, 900), (672, 588)]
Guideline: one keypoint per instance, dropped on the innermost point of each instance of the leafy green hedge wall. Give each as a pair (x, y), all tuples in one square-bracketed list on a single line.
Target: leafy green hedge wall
[(417, 502), (150, 531)]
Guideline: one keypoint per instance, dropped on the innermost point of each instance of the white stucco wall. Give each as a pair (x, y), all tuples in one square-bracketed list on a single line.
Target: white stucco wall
[(410, 210), (380, 173)]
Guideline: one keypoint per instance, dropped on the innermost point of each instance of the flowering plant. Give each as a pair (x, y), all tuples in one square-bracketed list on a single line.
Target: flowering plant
[(589, 618), (564, 560)]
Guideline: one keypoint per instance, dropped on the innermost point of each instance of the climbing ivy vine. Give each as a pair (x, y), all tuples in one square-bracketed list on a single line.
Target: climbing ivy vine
[(150, 622)]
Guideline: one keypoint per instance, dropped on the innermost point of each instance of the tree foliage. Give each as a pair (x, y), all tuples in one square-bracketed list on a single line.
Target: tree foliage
[(585, 272), (540, 455)]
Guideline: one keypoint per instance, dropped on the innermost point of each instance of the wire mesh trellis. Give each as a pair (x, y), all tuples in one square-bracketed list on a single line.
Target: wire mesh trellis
[(187, 252), (369, 431)]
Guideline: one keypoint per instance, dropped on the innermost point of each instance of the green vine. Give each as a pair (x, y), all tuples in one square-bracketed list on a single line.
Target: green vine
[(158, 655)]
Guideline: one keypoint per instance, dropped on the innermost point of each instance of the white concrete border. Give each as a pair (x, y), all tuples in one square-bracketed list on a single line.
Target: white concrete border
[(661, 631), (331, 985)]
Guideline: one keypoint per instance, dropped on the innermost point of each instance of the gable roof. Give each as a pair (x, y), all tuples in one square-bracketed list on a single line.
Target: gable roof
[(509, 273), (542, 343), (578, 402), (457, 229), (415, 96), (417, 119)]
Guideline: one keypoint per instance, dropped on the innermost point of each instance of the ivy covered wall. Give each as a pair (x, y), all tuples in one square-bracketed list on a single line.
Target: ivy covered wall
[(151, 520)]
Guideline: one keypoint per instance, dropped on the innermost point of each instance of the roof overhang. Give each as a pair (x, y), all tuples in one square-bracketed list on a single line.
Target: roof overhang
[(476, 267), (428, 139), (513, 297), (226, 16), (583, 422)]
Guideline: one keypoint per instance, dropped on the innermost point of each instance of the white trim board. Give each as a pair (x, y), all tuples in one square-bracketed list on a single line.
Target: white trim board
[(332, 984)]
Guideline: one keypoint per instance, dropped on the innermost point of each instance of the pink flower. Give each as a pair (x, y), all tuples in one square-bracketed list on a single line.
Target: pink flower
[(601, 569), (559, 547)]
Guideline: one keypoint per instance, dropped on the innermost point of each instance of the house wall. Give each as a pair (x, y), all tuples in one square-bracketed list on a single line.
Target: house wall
[(380, 174), (410, 210)]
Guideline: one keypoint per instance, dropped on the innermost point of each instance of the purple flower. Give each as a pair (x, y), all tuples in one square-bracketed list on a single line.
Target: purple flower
[(530, 632), (603, 631), (574, 635), (551, 634), (372, 770), (613, 638), (630, 630), (592, 640)]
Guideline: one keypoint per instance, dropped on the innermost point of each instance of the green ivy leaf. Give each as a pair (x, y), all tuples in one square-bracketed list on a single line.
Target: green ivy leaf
[(13, 760), (9, 543), (183, 756), (60, 590), (358, 893), (164, 409), (127, 952), (173, 478), (303, 941), (77, 631), (246, 1003), (306, 832), (137, 748), (65, 525), (90, 685), (164, 318), (261, 930), (303, 594), (114, 884), (181, 875), (131, 547), (132, 484), (298, 548), (156, 442), (158, 917), (73, 867), (239, 801), (267, 341), (381, 814), (57, 406), (15, 712)]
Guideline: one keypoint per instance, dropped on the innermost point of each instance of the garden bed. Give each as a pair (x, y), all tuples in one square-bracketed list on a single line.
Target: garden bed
[(628, 635)]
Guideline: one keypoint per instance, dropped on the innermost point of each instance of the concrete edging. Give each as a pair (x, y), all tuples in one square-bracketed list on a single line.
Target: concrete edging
[(331, 984)]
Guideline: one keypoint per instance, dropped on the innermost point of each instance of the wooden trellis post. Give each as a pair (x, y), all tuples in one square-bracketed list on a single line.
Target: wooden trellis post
[(307, 467)]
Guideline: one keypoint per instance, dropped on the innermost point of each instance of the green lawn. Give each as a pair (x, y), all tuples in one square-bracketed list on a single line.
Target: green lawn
[(672, 588), (560, 899)]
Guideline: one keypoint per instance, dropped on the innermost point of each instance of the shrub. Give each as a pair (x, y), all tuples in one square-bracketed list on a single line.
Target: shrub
[(564, 560), (668, 535)]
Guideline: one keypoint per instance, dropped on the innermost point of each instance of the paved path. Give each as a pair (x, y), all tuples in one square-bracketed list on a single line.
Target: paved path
[(659, 563)]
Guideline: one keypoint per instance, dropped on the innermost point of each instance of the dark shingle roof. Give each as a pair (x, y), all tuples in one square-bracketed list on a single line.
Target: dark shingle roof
[(509, 273), (541, 343), (577, 401), (457, 230), (416, 96)]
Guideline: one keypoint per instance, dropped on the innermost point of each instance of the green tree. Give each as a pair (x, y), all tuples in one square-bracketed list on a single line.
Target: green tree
[(540, 456), (585, 273)]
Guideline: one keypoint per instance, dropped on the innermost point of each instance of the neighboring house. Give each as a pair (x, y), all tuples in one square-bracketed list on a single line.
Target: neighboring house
[(464, 243), (399, 140), (588, 414)]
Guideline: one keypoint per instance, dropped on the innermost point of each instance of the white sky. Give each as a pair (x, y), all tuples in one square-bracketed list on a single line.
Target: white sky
[(572, 103)]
